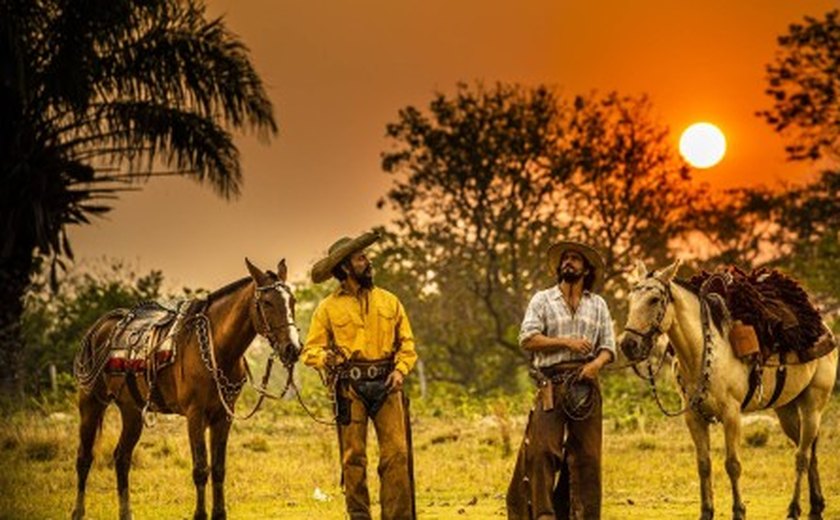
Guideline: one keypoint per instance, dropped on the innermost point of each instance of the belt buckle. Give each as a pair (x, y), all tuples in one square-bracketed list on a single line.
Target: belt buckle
[(373, 372), (355, 373)]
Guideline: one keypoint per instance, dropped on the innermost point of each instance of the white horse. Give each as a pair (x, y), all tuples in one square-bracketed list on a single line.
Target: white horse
[(715, 382)]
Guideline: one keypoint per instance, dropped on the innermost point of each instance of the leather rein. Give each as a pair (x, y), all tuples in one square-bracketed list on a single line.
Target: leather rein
[(695, 400), (228, 390)]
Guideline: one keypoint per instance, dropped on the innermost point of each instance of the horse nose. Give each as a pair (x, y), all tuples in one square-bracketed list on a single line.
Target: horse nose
[(629, 346), (294, 337)]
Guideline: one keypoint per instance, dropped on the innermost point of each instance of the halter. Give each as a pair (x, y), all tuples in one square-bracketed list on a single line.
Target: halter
[(264, 329), (695, 400), (228, 390), (655, 329)]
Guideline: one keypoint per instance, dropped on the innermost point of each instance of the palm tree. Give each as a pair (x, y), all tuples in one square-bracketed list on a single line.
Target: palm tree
[(96, 97)]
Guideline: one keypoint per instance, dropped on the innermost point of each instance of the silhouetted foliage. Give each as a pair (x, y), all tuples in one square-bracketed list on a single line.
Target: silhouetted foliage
[(95, 96), (804, 82), (487, 179)]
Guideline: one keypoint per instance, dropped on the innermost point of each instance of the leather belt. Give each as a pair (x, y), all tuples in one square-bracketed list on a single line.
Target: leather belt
[(361, 371)]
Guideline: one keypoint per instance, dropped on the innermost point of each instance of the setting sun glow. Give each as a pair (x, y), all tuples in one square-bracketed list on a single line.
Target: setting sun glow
[(702, 145)]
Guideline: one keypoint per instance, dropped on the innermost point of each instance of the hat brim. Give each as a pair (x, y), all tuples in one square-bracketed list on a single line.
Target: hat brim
[(322, 270), (591, 255)]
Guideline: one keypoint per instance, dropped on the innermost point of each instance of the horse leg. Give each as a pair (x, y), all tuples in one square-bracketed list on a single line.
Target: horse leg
[(814, 487), (699, 430), (218, 451), (196, 425), (91, 412), (132, 427), (803, 421), (732, 436), (789, 420)]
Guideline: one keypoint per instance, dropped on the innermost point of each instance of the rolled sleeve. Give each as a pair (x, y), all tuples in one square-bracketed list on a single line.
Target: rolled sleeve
[(314, 352), (406, 355), (606, 333), (533, 323)]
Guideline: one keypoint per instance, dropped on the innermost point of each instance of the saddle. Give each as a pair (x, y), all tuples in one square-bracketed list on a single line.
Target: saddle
[(785, 323), (144, 337)]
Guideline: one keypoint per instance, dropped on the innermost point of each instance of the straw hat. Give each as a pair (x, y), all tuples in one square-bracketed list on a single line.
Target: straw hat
[(594, 258), (341, 249)]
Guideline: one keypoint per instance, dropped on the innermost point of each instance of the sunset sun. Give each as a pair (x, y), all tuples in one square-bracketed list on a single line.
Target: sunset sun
[(703, 145)]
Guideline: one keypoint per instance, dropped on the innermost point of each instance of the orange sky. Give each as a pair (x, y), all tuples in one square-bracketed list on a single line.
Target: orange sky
[(339, 71)]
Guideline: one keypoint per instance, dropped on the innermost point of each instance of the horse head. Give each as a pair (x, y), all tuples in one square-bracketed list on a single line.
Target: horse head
[(651, 310), (273, 311)]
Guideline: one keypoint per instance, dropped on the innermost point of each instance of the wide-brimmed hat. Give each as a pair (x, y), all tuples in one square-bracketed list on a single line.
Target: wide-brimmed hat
[(341, 249), (594, 258)]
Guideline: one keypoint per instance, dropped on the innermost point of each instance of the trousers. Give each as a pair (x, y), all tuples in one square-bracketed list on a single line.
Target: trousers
[(396, 490), (558, 466)]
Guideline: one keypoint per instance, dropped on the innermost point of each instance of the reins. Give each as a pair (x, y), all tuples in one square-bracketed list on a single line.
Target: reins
[(694, 401), (227, 390)]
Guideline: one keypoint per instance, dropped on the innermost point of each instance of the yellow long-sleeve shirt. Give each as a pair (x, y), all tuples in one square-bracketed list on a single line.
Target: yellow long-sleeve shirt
[(374, 324)]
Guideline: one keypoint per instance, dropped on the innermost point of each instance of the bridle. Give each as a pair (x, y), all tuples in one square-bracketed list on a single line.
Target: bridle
[(287, 353), (655, 330), (693, 401)]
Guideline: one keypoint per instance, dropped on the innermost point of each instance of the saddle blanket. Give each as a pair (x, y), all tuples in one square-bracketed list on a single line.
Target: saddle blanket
[(145, 338), (774, 305)]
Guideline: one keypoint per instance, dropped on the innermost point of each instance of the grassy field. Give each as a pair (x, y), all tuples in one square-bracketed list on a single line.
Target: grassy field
[(463, 456)]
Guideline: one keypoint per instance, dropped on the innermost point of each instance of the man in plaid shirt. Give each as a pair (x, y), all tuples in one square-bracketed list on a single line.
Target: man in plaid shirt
[(569, 333)]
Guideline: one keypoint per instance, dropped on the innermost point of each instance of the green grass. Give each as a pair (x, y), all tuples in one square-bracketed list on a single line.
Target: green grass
[(463, 460)]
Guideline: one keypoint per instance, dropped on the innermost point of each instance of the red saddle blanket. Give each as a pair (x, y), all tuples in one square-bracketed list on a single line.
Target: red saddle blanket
[(144, 338), (124, 364), (775, 305)]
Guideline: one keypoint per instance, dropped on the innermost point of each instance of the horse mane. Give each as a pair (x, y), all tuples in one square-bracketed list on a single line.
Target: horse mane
[(200, 304), (235, 286), (227, 289), (717, 306)]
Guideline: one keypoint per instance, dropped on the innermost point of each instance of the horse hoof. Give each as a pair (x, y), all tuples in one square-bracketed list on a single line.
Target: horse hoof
[(200, 515), (221, 515), (78, 515)]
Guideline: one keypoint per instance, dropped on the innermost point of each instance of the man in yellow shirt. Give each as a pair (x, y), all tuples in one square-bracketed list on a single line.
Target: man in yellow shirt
[(361, 333)]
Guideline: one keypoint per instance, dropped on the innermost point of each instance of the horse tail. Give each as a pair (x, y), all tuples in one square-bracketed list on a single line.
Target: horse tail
[(92, 356)]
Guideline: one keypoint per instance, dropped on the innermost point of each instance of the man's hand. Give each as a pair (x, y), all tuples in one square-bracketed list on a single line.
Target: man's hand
[(590, 370), (334, 358), (395, 381), (579, 345)]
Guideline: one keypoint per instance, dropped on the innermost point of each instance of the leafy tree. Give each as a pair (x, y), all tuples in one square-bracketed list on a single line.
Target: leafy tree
[(629, 195), (98, 94), (475, 198), (487, 179), (804, 82)]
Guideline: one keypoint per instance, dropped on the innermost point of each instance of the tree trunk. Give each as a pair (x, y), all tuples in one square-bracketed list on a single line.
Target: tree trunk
[(14, 280)]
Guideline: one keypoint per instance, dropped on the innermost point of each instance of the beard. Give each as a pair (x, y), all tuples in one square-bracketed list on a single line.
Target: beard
[(569, 275), (365, 278)]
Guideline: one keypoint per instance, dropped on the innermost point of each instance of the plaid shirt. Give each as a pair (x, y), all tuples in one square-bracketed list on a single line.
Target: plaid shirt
[(549, 314)]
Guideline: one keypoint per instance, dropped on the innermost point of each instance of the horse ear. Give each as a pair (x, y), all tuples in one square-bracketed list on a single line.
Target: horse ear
[(282, 271), (260, 277), (670, 272), (639, 272)]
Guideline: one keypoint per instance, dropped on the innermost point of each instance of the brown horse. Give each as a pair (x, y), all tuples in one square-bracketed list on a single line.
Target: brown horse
[(209, 364), (714, 383)]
